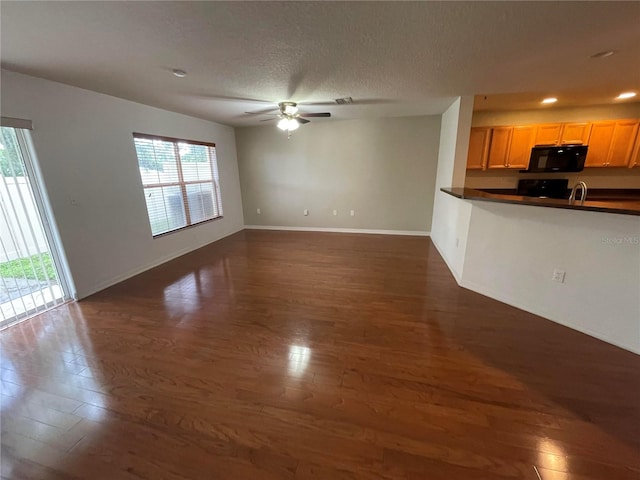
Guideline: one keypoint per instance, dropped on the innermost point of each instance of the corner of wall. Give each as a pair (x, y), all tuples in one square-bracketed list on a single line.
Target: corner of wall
[(451, 215)]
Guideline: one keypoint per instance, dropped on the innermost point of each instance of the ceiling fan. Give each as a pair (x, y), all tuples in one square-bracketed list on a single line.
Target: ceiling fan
[(290, 117)]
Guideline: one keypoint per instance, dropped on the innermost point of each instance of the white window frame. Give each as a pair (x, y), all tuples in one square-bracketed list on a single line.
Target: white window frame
[(182, 183)]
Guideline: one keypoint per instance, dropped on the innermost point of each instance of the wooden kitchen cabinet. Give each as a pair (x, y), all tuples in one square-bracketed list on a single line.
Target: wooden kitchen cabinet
[(522, 139), (499, 147), (611, 144), (599, 144), (556, 134), (479, 141), (635, 156), (575, 134), (510, 147), (624, 136), (548, 134)]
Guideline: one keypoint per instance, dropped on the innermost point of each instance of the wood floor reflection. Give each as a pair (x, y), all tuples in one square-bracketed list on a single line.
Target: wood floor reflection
[(291, 355)]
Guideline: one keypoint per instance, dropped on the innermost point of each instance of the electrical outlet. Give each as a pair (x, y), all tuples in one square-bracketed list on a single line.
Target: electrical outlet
[(353, 213), (259, 211), (335, 212), (306, 212), (558, 276)]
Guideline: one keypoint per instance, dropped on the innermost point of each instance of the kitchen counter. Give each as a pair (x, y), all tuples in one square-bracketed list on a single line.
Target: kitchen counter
[(625, 202)]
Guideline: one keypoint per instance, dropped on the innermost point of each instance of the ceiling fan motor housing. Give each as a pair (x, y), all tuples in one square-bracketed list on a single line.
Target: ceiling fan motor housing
[(288, 108)]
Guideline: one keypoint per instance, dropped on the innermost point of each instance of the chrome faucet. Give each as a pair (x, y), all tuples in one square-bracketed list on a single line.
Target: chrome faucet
[(583, 193)]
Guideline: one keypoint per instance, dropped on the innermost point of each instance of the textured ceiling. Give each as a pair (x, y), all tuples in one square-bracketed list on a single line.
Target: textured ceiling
[(393, 58)]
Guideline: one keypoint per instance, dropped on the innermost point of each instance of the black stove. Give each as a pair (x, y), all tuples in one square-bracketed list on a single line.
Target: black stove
[(544, 188)]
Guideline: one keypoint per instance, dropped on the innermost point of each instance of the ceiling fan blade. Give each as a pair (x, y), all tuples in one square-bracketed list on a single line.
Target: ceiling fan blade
[(324, 114), (358, 101), (262, 112), (267, 119), (302, 121)]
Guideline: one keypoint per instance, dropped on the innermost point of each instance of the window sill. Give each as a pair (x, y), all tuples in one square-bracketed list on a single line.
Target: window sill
[(188, 226)]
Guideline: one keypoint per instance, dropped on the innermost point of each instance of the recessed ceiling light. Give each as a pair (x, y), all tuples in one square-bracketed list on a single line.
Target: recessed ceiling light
[(604, 53), (550, 100), (179, 73), (624, 95)]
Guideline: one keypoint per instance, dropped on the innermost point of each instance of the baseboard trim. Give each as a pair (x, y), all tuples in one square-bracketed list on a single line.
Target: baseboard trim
[(453, 272), (137, 271), (413, 233), (482, 290)]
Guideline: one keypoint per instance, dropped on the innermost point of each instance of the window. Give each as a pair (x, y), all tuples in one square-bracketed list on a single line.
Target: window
[(180, 181)]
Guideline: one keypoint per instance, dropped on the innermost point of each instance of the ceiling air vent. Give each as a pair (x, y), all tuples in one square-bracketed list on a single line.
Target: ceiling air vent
[(344, 101)]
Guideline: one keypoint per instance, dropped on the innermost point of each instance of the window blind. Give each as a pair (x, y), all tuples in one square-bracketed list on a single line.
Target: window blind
[(180, 181)]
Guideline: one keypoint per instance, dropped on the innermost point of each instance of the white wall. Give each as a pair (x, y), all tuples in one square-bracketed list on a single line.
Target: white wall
[(512, 251), (86, 154), (384, 169), (450, 216), (594, 177)]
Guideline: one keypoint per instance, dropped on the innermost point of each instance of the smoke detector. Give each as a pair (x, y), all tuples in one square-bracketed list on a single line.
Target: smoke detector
[(344, 101)]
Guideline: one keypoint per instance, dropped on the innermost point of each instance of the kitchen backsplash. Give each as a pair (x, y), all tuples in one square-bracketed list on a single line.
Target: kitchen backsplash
[(594, 178)]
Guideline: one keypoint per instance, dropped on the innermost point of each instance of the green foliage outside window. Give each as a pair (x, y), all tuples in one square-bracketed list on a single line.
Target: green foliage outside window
[(10, 162)]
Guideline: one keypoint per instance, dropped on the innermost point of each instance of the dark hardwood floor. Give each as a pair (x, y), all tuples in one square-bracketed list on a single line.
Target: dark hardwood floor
[(286, 355)]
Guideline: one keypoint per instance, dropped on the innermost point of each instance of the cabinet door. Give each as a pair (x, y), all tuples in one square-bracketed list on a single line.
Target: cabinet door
[(499, 149), (575, 133), (599, 144), (478, 148), (548, 134), (522, 140), (635, 156), (624, 136)]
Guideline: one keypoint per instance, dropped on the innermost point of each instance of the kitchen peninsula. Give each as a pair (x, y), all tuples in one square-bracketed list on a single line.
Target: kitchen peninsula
[(509, 232), (626, 202)]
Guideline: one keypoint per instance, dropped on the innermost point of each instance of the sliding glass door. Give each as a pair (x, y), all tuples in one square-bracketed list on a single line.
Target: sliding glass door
[(31, 278)]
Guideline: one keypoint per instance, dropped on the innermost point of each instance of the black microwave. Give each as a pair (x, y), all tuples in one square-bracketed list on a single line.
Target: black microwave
[(568, 158)]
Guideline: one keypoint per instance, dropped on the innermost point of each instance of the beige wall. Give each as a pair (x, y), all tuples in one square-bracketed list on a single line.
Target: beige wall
[(569, 114), (594, 177), (384, 169)]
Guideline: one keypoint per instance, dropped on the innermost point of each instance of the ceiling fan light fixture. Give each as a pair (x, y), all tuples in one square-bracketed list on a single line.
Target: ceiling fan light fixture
[(290, 109), (288, 124)]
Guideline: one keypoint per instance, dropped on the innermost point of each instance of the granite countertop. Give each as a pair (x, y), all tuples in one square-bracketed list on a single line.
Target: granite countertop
[(626, 202)]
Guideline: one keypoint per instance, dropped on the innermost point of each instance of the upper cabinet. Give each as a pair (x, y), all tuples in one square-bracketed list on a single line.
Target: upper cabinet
[(478, 148), (556, 134), (510, 147), (499, 149), (575, 133), (548, 134), (635, 156), (522, 140), (622, 144), (611, 144), (614, 143), (599, 144)]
